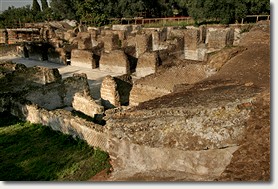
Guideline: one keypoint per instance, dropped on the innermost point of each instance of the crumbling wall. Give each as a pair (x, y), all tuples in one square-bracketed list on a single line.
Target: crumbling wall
[(84, 41), (115, 91), (116, 61), (83, 58), (218, 38), (3, 36), (110, 97), (147, 64), (111, 41), (45, 88), (57, 55), (86, 105), (143, 43)]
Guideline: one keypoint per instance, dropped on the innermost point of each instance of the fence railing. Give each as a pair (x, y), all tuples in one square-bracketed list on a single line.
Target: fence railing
[(187, 20)]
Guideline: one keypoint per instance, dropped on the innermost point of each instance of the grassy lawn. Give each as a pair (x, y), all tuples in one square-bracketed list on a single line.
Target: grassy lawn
[(32, 152)]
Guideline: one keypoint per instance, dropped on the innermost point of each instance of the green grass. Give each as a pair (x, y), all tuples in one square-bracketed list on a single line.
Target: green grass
[(32, 152), (181, 24)]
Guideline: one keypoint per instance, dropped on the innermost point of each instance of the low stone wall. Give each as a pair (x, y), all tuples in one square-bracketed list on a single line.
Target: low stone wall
[(143, 43), (84, 41), (147, 64), (57, 55), (218, 38), (83, 58), (116, 61), (86, 105)]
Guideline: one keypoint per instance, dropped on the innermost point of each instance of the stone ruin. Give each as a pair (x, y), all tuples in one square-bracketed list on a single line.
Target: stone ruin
[(191, 120)]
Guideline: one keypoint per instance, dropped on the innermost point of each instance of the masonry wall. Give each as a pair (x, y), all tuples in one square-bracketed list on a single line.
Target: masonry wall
[(115, 61), (83, 58)]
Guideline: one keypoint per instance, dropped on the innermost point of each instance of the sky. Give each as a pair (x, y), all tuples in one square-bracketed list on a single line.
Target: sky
[(4, 4)]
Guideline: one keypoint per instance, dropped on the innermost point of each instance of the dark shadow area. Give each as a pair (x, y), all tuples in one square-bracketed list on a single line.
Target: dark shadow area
[(97, 119)]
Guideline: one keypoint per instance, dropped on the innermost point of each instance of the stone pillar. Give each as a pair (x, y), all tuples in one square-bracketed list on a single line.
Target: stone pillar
[(110, 97), (147, 64), (83, 58), (143, 44), (218, 38), (111, 42), (116, 61), (84, 40)]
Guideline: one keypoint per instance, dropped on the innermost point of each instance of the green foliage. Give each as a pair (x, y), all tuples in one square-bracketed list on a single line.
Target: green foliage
[(63, 9), (36, 7), (35, 152), (14, 17), (98, 12), (44, 5), (226, 11)]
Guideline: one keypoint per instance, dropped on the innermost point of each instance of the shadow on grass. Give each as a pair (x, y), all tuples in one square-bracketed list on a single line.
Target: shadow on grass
[(31, 152)]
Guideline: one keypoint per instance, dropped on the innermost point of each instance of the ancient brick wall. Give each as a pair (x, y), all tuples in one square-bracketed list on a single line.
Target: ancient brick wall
[(83, 58), (147, 64), (116, 61)]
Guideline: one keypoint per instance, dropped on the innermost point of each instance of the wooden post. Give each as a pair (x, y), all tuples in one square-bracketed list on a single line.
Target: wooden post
[(242, 20)]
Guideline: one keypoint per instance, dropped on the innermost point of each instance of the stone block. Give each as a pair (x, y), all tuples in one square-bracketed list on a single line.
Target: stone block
[(143, 44), (218, 38), (111, 41), (83, 58), (110, 97), (86, 105), (147, 64), (191, 39), (84, 40), (116, 61), (57, 55)]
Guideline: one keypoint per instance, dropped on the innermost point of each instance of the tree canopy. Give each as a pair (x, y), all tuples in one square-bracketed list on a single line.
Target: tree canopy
[(97, 12)]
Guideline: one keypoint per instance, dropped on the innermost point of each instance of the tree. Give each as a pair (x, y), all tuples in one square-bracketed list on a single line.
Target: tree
[(64, 9), (44, 5), (15, 17), (36, 7), (224, 11)]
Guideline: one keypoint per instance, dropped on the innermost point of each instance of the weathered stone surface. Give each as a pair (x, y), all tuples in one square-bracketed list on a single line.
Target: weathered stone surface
[(111, 42), (84, 41), (200, 125), (25, 78), (218, 38), (143, 43), (147, 64), (83, 58), (57, 55), (76, 84), (116, 61), (163, 82), (3, 36), (86, 105), (109, 95), (115, 91), (141, 93), (143, 163), (217, 60)]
